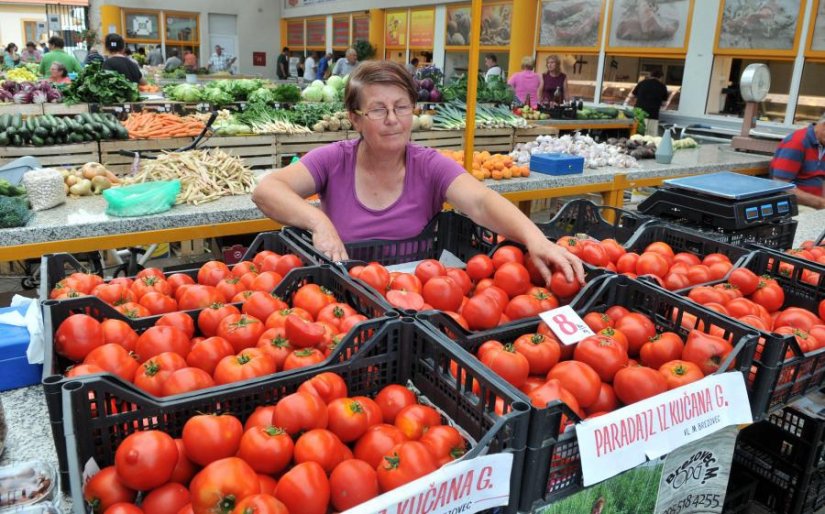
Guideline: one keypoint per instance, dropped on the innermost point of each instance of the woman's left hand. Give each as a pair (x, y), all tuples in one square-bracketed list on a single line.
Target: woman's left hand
[(546, 254)]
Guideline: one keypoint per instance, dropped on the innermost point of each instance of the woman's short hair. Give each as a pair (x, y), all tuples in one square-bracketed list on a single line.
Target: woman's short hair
[(385, 73), (11, 47), (528, 62), (61, 68), (114, 43)]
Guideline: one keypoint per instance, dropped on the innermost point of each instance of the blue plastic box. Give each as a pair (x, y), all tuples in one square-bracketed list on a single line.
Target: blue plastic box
[(556, 163), (15, 370)]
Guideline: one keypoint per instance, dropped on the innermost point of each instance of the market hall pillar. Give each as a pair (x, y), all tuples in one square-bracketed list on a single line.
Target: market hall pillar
[(522, 33), (377, 32)]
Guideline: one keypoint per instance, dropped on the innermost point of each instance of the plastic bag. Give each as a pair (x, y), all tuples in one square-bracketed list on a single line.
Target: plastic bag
[(142, 199)]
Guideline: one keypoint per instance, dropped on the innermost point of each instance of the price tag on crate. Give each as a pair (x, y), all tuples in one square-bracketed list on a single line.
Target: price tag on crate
[(127, 108), (566, 324), (117, 109)]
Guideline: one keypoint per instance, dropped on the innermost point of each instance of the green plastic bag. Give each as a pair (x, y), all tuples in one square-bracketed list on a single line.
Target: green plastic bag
[(142, 199)]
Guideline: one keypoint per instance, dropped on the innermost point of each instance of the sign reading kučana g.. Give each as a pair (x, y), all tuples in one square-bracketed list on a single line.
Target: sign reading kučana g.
[(625, 438)]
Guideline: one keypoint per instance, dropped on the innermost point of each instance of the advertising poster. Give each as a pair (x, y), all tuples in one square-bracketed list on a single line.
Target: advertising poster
[(495, 24), (569, 24), (422, 28), (748, 25), (396, 29), (649, 23), (458, 26)]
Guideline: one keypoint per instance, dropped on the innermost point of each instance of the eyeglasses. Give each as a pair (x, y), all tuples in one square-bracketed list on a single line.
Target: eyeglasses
[(401, 111)]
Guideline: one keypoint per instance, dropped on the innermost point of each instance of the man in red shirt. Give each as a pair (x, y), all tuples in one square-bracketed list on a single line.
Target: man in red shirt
[(800, 158)]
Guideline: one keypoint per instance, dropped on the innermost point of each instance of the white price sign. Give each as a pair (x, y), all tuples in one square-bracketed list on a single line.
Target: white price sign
[(566, 324)]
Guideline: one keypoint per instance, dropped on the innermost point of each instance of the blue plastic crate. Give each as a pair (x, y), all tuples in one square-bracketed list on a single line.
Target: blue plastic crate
[(556, 164), (15, 370)]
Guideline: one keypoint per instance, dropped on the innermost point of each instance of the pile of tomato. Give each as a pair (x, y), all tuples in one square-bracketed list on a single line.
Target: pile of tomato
[(626, 361), (809, 250), (151, 292), (491, 290), (265, 336), (316, 450), (673, 270), (757, 301)]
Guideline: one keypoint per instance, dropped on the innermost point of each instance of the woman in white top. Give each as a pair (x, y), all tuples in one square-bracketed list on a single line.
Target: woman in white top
[(310, 67)]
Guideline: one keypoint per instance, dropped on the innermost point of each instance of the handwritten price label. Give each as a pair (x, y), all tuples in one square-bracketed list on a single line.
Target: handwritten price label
[(566, 324)]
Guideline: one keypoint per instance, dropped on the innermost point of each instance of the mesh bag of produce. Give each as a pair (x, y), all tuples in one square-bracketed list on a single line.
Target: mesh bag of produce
[(14, 212), (142, 199)]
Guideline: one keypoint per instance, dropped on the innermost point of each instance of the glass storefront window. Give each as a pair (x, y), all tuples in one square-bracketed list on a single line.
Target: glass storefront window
[(621, 74), (143, 25), (811, 102), (580, 70), (724, 97), (181, 28)]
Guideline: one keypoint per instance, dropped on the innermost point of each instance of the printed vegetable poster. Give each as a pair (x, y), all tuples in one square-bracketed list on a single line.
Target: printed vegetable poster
[(818, 41), (759, 25), (422, 28), (458, 26), (649, 23), (396, 29), (565, 23), (495, 25)]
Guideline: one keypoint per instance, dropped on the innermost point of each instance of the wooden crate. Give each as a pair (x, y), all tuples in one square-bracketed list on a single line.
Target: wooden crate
[(529, 134), (121, 164), (24, 109), (58, 109), (299, 144), (492, 140), (255, 151), (55, 155)]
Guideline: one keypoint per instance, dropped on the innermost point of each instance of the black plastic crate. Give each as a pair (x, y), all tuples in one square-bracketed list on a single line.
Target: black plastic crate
[(553, 468), (446, 231), (57, 311), (682, 239), (54, 267), (740, 492), (780, 487), (597, 221), (820, 241), (100, 414), (800, 373), (778, 235)]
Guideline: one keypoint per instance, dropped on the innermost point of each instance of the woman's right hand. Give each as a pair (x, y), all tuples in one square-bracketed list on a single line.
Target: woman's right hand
[(328, 242)]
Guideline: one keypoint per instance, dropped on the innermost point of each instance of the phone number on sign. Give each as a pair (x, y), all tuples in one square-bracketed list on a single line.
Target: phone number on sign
[(707, 501)]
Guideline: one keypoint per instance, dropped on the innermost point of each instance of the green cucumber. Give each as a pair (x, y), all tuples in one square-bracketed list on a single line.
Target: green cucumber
[(38, 141), (4, 139)]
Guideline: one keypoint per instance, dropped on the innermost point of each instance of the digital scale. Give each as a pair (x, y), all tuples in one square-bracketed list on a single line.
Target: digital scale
[(724, 200)]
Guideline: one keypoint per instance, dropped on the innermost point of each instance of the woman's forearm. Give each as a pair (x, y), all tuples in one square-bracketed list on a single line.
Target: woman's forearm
[(280, 203)]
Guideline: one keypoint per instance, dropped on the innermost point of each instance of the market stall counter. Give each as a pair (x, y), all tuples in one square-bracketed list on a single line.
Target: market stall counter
[(81, 224)]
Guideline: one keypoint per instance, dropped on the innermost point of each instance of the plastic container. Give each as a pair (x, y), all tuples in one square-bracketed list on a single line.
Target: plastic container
[(27, 484), (399, 353), (553, 468), (556, 164), (740, 493), (784, 380), (779, 235), (683, 239), (14, 171), (597, 221), (15, 370), (55, 312)]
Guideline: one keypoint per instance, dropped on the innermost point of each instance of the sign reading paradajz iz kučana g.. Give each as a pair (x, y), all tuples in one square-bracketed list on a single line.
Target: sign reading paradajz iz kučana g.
[(464, 487), (653, 427)]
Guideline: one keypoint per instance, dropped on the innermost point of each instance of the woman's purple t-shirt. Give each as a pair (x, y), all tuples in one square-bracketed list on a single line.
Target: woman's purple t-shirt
[(428, 175)]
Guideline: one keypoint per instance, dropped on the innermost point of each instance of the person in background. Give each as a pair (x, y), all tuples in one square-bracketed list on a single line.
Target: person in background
[(323, 67), (650, 94), (346, 64), (56, 53), (58, 74), (155, 57), (283, 64), (383, 186), (119, 62), (173, 62), (299, 68), (31, 53), (553, 79), (93, 56), (800, 159), (44, 48), (493, 69), (412, 66), (526, 82), (310, 67), (220, 61), (190, 62), (10, 57)]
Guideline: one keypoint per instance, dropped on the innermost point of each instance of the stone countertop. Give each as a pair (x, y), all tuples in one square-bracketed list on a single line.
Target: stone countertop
[(811, 225), (572, 124), (86, 217)]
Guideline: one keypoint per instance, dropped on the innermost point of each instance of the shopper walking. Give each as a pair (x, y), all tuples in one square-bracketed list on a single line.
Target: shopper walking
[(554, 82), (526, 83), (283, 64), (383, 186), (346, 64), (310, 67), (56, 53), (118, 60), (324, 68), (155, 57), (173, 62), (31, 53), (800, 159), (493, 69), (649, 95)]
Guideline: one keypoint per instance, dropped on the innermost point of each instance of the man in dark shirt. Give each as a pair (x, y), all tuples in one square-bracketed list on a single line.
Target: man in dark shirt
[(650, 94), (283, 64)]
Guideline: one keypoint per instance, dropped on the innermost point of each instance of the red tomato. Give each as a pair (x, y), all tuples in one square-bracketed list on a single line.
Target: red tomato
[(211, 316), (351, 483), (376, 442), (304, 489), (542, 352), (705, 294), (552, 391), (186, 380), (616, 312), (260, 304), (821, 310), (166, 499), (627, 263), (287, 263), (662, 249), (615, 335), (347, 419), (180, 320), (268, 485), (259, 257), (637, 328), (406, 300), (661, 348), (242, 331), (507, 254), (796, 318), (392, 399), (207, 437), (443, 293), (213, 272), (547, 301), (415, 420), (158, 339), (718, 270), (78, 335), (603, 354), (482, 312), (687, 258), (706, 351), (351, 321), (769, 295), (248, 363), (480, 266), (597, 321), (244, 267), (300, 411), (513, 278), (375, 276), (113, 358), (678, 373), (206, 354), (675, 281), (571, 244), (124, 508), (158, 303), (523, 306), (595, 254), (302, 358), (266, 449), (265, 281), (445, 444), (185, 469), (652, 263), (561, 287), (312, 298), (152, 374), (302, 333), (606, 401), (145, 460), (403, 464), (105, 489), (145, 285), (462, 279), (321, 446), (326, 386), (713, 258), (508, 364), (114, 294), (406, 282), (222, 484), (579, 379), (636, 383), (176, 280), (264, 503)]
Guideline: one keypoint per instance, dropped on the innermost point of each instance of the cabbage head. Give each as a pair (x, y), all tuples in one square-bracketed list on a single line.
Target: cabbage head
[(313, 94), (336, 82), (330, 94), (186, 93)]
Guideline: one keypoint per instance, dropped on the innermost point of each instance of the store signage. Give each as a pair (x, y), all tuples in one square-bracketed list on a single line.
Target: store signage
[(258, 58), (566, 324), (695, 476), (465, 486), (422, 28), (396, 34), (648, 429)]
